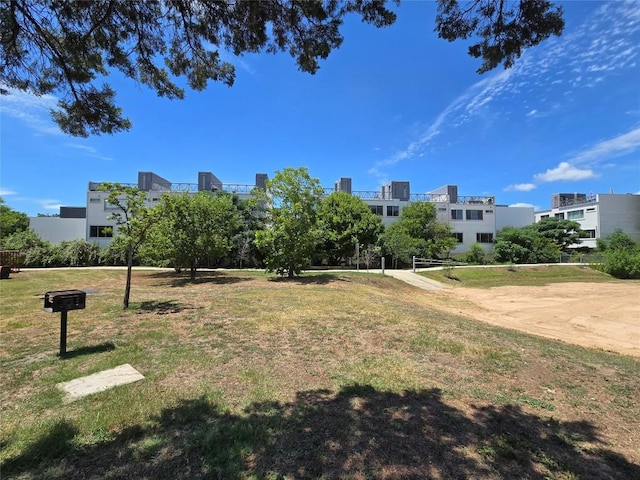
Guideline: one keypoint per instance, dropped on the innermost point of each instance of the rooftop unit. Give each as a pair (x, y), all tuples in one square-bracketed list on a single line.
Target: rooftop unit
[(148, 181), (343, 185), (208, 182), (396, 191)]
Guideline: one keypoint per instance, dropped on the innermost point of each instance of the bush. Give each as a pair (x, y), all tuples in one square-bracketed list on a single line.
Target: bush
[(79, 253), (622, 263), (476, 255)]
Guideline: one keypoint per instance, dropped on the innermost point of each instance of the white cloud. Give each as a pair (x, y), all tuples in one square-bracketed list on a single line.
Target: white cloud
[(50, 204), (532, 113), (31, 109), (525, 205), (520, 187), (607, 149), (90, 151), (565, 171), (4, 192)]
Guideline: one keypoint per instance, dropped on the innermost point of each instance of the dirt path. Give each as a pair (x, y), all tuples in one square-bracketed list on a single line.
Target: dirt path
[(600, 315)]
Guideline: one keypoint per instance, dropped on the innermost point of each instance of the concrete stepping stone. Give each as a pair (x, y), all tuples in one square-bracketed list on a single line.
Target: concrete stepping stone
[(99, 382)]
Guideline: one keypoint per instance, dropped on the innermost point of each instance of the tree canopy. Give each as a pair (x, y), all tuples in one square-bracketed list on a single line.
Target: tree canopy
[(70, 48), (11, 221)]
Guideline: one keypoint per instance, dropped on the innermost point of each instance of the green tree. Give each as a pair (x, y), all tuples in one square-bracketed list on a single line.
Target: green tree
[(476, 255), (504, 28), (252, 214), (399, 244), (621, 255), (70, 48), (11, 221), (199, 228), (563, 233), (618, 240), (79, 253), (433, 238), (134, 220), (524, 245), (344, 220), (291, 235)]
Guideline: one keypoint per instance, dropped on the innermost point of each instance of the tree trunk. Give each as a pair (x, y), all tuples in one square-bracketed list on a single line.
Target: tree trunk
[(192, 272), (127, 288)]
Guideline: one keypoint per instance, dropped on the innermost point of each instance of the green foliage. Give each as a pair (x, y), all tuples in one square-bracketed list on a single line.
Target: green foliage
[(134, 220), (504, 29), (252, 216), (344, 220), (524, 245), (476, 255), (290, 239), (11, 221), (418, 232), (563, 233), (621, 255), (79, 253), (69, 48), (196, 230), (115, 253), (34, 251)]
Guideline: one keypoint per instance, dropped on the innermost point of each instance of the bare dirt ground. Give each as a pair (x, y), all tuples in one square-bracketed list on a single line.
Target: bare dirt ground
[(600, 315)]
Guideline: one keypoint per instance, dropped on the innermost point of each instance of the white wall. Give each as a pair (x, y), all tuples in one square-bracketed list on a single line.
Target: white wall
[(619, 211), (56, 229)]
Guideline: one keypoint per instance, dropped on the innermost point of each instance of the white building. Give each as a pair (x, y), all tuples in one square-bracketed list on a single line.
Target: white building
[(70, 225), (598, 215), (473, 219)]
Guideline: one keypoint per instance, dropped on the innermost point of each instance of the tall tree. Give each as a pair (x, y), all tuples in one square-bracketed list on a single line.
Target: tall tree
[(346, 220), (563, 233), (505, 27), (134, 220), (198, 228), (11, 221), (524, 245), (70, 48), (291, 234), (433, 238)]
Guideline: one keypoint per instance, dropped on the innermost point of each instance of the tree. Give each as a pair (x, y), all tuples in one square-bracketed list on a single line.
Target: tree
[(369, 255), (70, 48), (563, 233), (524, 245), (399, 244), (618, 240), (291, 234), (11, 221), (505, 28), (344, 220), (134, 220), (621, 255), (252, 214), (199, 228), (433, 238)]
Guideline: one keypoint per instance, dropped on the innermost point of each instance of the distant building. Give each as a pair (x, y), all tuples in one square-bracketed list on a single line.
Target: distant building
[(598, 215), (70, 225)]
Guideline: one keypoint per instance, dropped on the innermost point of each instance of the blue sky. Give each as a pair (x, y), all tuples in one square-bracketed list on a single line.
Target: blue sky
[(390, 104)]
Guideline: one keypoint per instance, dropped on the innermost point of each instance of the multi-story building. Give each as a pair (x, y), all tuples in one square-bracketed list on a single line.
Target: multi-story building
[(598, 215), (473, 219), (71, 224)]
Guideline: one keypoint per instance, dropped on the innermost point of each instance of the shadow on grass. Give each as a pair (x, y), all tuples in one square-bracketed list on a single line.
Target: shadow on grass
[(312, 279), (359, 432), (181, 279), (161, 308), (90, 350)]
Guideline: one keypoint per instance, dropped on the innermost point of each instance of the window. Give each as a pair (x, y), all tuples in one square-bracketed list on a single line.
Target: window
[(588, 234), (94, 200), (592, 209), (488, 211), (377, 209), (573, 214), (100, 231), (393, 210), (110, 206), (458, 236), (542, 217), (559, 215), (456, 214), (484, 237), (474, 215)]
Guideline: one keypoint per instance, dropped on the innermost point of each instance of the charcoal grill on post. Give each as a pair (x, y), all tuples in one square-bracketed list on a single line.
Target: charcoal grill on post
[(62, 301)]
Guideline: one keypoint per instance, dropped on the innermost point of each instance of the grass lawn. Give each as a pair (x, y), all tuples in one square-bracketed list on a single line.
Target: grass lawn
[(327, 376)]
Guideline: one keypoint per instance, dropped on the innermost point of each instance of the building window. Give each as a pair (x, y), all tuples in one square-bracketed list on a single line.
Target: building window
[(94, 200), (393, 210), (474, 215), (458, 236), (377, 209), (100, 231), (456, 214), (592, 209), (588, 234), (488, 211), (559, 215), (484, 237), (542, 217), (110, 206), (575, 214)]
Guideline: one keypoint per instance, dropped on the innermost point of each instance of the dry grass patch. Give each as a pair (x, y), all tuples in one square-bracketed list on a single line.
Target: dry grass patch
[(328, 376)]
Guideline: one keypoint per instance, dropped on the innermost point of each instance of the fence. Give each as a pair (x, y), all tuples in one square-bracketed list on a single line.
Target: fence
[(432, 262), (11, 258)]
